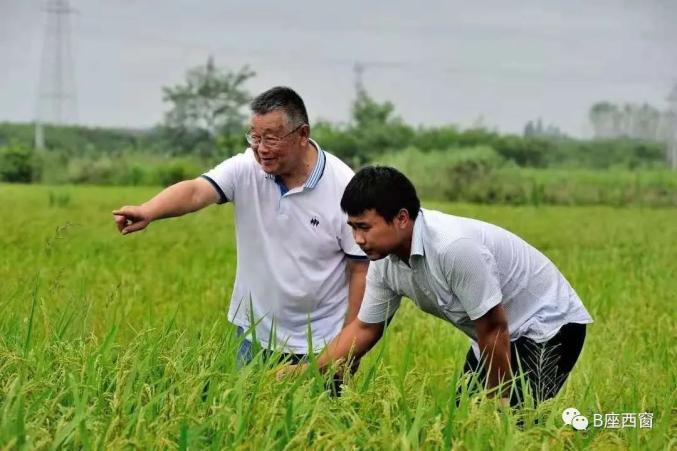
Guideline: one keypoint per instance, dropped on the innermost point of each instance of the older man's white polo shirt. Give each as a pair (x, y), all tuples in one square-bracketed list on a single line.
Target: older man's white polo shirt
[(461, 268), (292, 247)]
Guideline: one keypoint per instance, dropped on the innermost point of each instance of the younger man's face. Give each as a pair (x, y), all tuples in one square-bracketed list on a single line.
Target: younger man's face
[(376, 237)]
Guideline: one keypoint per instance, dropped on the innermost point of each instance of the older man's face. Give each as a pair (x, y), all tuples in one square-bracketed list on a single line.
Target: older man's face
[(279, 147)]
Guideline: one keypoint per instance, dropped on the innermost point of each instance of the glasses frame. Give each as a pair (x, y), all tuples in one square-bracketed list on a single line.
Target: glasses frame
[(266, 140)]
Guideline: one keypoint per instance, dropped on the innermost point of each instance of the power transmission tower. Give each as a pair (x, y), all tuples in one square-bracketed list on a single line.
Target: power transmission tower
[(672, 129), (359, 69), (56, 91)]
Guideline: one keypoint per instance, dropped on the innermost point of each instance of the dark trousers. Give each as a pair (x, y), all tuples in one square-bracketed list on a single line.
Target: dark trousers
[(545, 366), (245, 355)]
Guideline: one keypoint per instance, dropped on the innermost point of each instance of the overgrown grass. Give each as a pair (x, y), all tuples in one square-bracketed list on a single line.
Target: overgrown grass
[(480, 175), (112, 342)]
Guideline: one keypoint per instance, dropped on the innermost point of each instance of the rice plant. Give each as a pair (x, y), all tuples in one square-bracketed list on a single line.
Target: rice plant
[(122, 343)]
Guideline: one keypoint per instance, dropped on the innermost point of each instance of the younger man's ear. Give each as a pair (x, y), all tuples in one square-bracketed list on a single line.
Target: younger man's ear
[(402, 216)]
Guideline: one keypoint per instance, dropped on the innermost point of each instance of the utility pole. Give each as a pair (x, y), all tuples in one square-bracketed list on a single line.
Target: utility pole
[(56, 91), (672, 129)]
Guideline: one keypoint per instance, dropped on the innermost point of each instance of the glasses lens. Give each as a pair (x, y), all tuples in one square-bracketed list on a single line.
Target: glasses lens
[(271, 142)]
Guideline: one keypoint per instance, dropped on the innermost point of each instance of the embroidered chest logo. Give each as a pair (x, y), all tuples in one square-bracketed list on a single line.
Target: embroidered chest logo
[(269, 176), (314, 221)]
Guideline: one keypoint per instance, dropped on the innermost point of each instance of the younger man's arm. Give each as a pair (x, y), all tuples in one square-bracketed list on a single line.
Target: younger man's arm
[(494, 342)]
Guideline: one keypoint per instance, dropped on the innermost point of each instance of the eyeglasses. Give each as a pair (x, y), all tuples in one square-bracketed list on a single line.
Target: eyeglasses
[(271, 142)]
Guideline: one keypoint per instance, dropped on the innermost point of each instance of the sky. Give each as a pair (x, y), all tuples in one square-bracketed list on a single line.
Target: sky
[(494, 63)]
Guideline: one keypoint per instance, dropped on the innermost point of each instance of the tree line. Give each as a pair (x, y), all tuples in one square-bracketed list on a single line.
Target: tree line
[(206, 119)]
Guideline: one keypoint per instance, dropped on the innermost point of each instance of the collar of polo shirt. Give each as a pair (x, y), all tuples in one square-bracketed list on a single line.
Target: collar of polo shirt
[(316, 174)]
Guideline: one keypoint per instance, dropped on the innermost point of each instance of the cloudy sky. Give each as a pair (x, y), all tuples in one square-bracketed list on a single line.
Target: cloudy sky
[(498, 62)]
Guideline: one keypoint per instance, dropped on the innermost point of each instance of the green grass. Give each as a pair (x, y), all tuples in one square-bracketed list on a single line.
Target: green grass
[(110, 342), (479, 175)]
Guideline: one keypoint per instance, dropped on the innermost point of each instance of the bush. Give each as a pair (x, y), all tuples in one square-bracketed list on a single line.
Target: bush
[(453, 174), (523, 151), (176, 170), (481, 175), (96, 172), (618, 153), (17, 164), (130, 169), (338, 141)]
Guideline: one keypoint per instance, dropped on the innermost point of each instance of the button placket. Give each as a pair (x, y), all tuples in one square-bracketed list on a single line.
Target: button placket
[(282, 209), (423, 286)]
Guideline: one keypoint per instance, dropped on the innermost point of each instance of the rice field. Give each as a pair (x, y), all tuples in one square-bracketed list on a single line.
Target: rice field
[(111, 342)]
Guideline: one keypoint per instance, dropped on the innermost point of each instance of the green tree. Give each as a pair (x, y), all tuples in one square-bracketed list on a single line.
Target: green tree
[(523, 151), (604, 119), (376, 129), (16, 163), (206, 106)]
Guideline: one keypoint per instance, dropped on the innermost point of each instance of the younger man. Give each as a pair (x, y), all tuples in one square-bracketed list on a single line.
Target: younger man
[(508, 297)]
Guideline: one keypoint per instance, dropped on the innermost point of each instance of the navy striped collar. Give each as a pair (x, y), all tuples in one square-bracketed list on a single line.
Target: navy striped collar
[(318, 170), (314, 177)]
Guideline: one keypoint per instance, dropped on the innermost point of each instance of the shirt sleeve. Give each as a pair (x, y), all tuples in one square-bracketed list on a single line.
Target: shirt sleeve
[(225, 176), (380, 301), (472, 274)]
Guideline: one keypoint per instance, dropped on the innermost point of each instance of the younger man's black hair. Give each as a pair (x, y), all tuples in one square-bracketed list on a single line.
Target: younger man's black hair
[(383, 189)]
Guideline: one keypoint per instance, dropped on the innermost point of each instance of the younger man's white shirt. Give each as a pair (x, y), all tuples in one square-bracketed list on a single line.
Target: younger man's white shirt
[(292, 249), (461, 268)]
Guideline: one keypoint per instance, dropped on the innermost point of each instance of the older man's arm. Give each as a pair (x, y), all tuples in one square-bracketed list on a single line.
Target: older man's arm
[(357, 281), (177, 200)]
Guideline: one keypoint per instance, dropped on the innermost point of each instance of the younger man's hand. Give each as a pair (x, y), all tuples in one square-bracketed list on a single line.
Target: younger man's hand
[(291, 370)]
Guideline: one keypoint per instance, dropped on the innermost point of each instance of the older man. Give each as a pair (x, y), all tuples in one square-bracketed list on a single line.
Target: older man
[(298, 267)]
